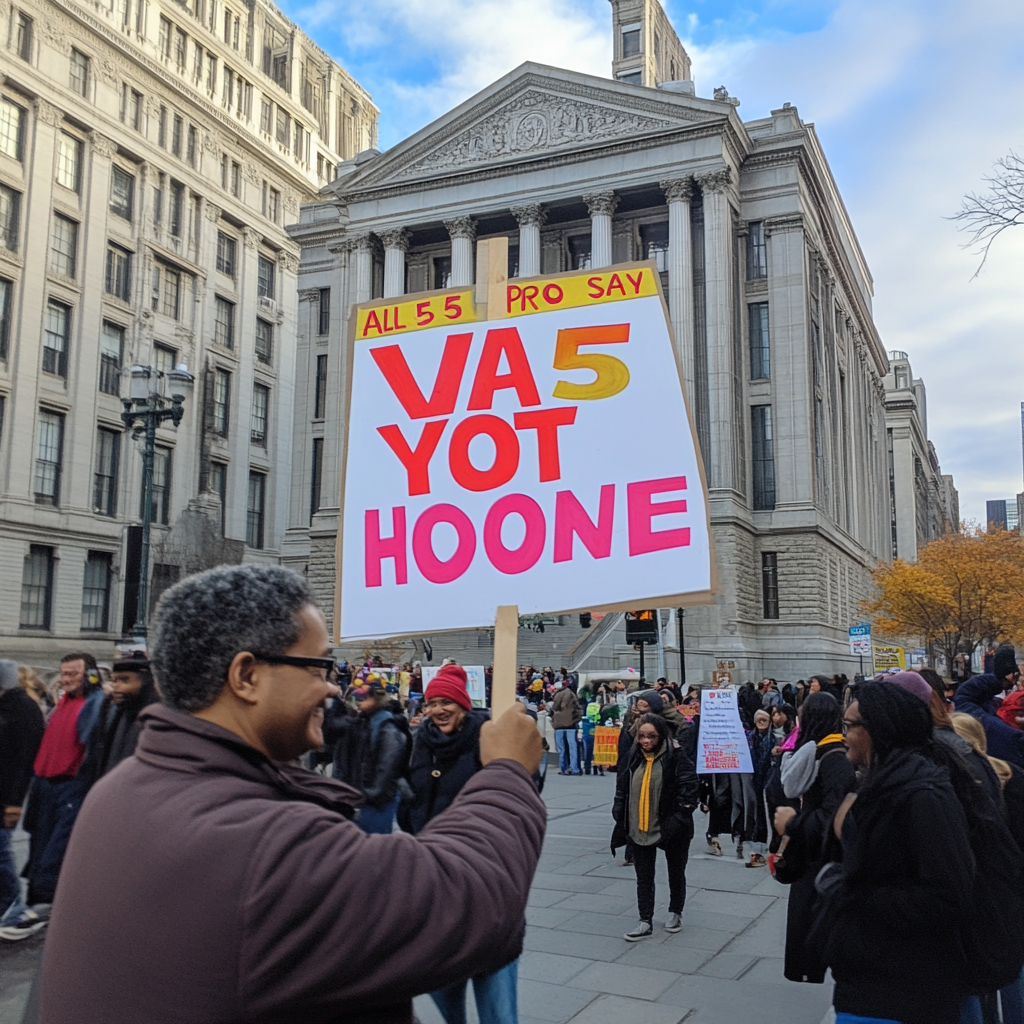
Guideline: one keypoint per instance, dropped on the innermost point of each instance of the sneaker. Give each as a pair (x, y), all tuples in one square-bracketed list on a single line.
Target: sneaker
[(28, 925), (714, 846), (625, 863), (644, 930), (674, 923), (756, 861)]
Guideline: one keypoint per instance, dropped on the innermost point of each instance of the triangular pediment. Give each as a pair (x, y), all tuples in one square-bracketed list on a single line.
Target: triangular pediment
[(534, 112)]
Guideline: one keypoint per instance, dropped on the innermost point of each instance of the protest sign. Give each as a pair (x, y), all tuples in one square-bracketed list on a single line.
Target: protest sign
[(721, 743), (606, 745), (509, 462), (475, 682), (887, 657)]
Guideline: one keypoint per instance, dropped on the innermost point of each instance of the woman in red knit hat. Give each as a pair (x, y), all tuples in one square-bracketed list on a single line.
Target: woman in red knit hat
[(445, 756)]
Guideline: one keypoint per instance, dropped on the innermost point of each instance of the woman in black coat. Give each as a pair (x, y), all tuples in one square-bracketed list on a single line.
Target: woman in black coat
[(833, 777), (655, 794)]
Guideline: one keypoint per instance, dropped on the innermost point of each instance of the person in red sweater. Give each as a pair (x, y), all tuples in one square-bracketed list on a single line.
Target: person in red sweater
[(56, 794)]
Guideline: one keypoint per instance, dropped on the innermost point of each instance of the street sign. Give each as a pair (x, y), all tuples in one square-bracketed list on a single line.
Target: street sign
[(493, 461), (860, 641)]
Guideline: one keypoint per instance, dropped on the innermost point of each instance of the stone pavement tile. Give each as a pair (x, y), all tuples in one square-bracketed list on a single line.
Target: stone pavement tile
[(547, 917), (617, 1010), (769, 887), (764, 937), (728, 965), (545, 897), (666, 956), (601, 904), (694, 918), (597, 924), (742, 1002), (592, 947), (621, 979), (611, 869), (554, 1003), (738, 904), (550, 967), (583, 865), (622, 887), (581, 883), (768, 970), (695, 937)]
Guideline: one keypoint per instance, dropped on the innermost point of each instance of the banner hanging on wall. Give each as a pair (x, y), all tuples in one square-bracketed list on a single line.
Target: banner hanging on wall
[(543, 458)]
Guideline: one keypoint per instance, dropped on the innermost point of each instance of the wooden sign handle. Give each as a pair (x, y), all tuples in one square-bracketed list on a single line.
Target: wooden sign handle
[(503, 678)]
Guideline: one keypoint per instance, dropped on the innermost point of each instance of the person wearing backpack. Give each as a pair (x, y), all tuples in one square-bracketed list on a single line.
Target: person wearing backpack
[(445, 756), (911, 920)]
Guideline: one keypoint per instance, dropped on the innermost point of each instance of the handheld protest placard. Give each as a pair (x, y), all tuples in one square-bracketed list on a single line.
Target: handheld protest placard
[(542, 458)]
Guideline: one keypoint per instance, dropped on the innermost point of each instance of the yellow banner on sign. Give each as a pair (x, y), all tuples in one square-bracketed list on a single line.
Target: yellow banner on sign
[(886, 657), (441, 310), (588, 289), (606, 745)]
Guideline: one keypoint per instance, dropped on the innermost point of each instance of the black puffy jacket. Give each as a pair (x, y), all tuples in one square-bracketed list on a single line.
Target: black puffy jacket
[(439, 767), (21, 732), (370, 752)]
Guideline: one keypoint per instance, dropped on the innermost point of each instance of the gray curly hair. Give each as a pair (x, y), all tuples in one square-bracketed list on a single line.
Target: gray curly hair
[(202, 622)]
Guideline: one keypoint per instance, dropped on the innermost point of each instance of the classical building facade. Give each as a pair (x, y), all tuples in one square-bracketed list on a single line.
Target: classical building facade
[(151, 154), (923, 503)]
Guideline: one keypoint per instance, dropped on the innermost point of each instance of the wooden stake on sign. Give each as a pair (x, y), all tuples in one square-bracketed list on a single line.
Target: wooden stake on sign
[(492, 277), (503, 678)]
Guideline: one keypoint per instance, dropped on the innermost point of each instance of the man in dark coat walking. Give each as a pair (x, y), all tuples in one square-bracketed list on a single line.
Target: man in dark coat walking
[(234, 885), (21, 729), (977, 698)]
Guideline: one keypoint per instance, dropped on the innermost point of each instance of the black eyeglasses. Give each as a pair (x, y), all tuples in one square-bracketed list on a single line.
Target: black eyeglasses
[(848, 725), (326, 665)]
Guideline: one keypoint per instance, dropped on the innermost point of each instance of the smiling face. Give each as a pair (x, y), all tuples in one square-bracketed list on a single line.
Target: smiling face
[(124, 684), (446, 714), (815, 686), (648, 738), (72, 677)]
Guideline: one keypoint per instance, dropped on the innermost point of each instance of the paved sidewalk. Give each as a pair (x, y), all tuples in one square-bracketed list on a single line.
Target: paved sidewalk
[(724, 967)]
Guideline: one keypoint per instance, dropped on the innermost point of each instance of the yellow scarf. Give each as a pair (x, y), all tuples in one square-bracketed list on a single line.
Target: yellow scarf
[(644, 810), (834, 737)]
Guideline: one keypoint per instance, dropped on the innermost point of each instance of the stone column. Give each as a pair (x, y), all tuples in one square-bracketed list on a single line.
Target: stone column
[(601, 206), (396, 245), (463, 233), (530, 218), (362, 246), (679, 192), (718, 281)]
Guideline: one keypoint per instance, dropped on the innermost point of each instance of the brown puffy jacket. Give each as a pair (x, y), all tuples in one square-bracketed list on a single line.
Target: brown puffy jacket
[(565, 709), (205, 883)]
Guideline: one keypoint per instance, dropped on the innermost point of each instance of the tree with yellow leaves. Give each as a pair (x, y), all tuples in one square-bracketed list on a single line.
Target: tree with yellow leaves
[(965, 588)]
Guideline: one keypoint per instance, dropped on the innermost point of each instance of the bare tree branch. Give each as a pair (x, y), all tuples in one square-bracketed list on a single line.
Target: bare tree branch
[(1001, 206)]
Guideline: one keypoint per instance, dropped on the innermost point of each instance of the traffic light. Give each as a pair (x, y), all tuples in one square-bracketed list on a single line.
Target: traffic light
[(642, 627), (584, 620)]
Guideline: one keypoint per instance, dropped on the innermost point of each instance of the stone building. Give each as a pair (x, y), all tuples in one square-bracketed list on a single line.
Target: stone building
[(923, 503), (150, 155), (769, 296)]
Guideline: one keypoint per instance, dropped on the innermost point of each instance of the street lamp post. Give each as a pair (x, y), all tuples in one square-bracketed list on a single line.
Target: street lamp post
[(153, 396)]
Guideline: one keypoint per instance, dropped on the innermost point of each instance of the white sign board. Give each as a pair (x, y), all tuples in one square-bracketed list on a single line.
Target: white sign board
[(514, 461), (475, 682), (860, 641), (721, 744)]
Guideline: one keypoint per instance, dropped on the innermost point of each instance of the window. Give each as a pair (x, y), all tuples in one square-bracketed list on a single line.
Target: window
[(226, 248), (10, 217), (79, 81), (227, 97), (902, 378), (104, 479), (260, 411), (49, 446), (265, 278), (227, 25), (161, 135), (177, 127), (630, 42), (764, 457), (63, 245), (274, 204), (122, 192), (37, 587), (6, 299), (177, 208), (118, 280), (164, 358), (224, 171), (197, 65), (111, 354), (218, 483), (266, 112), (770, 583), (757, 253), (317, 476), (96, 592), (324, 325), (280, 70), (255, 509), (69, 162), (300, 141), (442, 271), (180, 49), (224, 327), (579, 252), (12, 122), (264, 341), (190, 149), (164, 42), (655, 244), (172, 294), (211, 73), (161, 497), (133, 109), (55, 338), (632, 78), (759, 349), (22, 35), (221, 402), (236, 178), (320, 394), (283, 128)]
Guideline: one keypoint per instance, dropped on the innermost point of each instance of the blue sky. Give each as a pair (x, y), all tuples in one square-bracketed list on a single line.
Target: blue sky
[(913, 100)]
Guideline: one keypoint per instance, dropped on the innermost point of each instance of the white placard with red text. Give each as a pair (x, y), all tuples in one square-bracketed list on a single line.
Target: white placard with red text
[(544, 460)]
